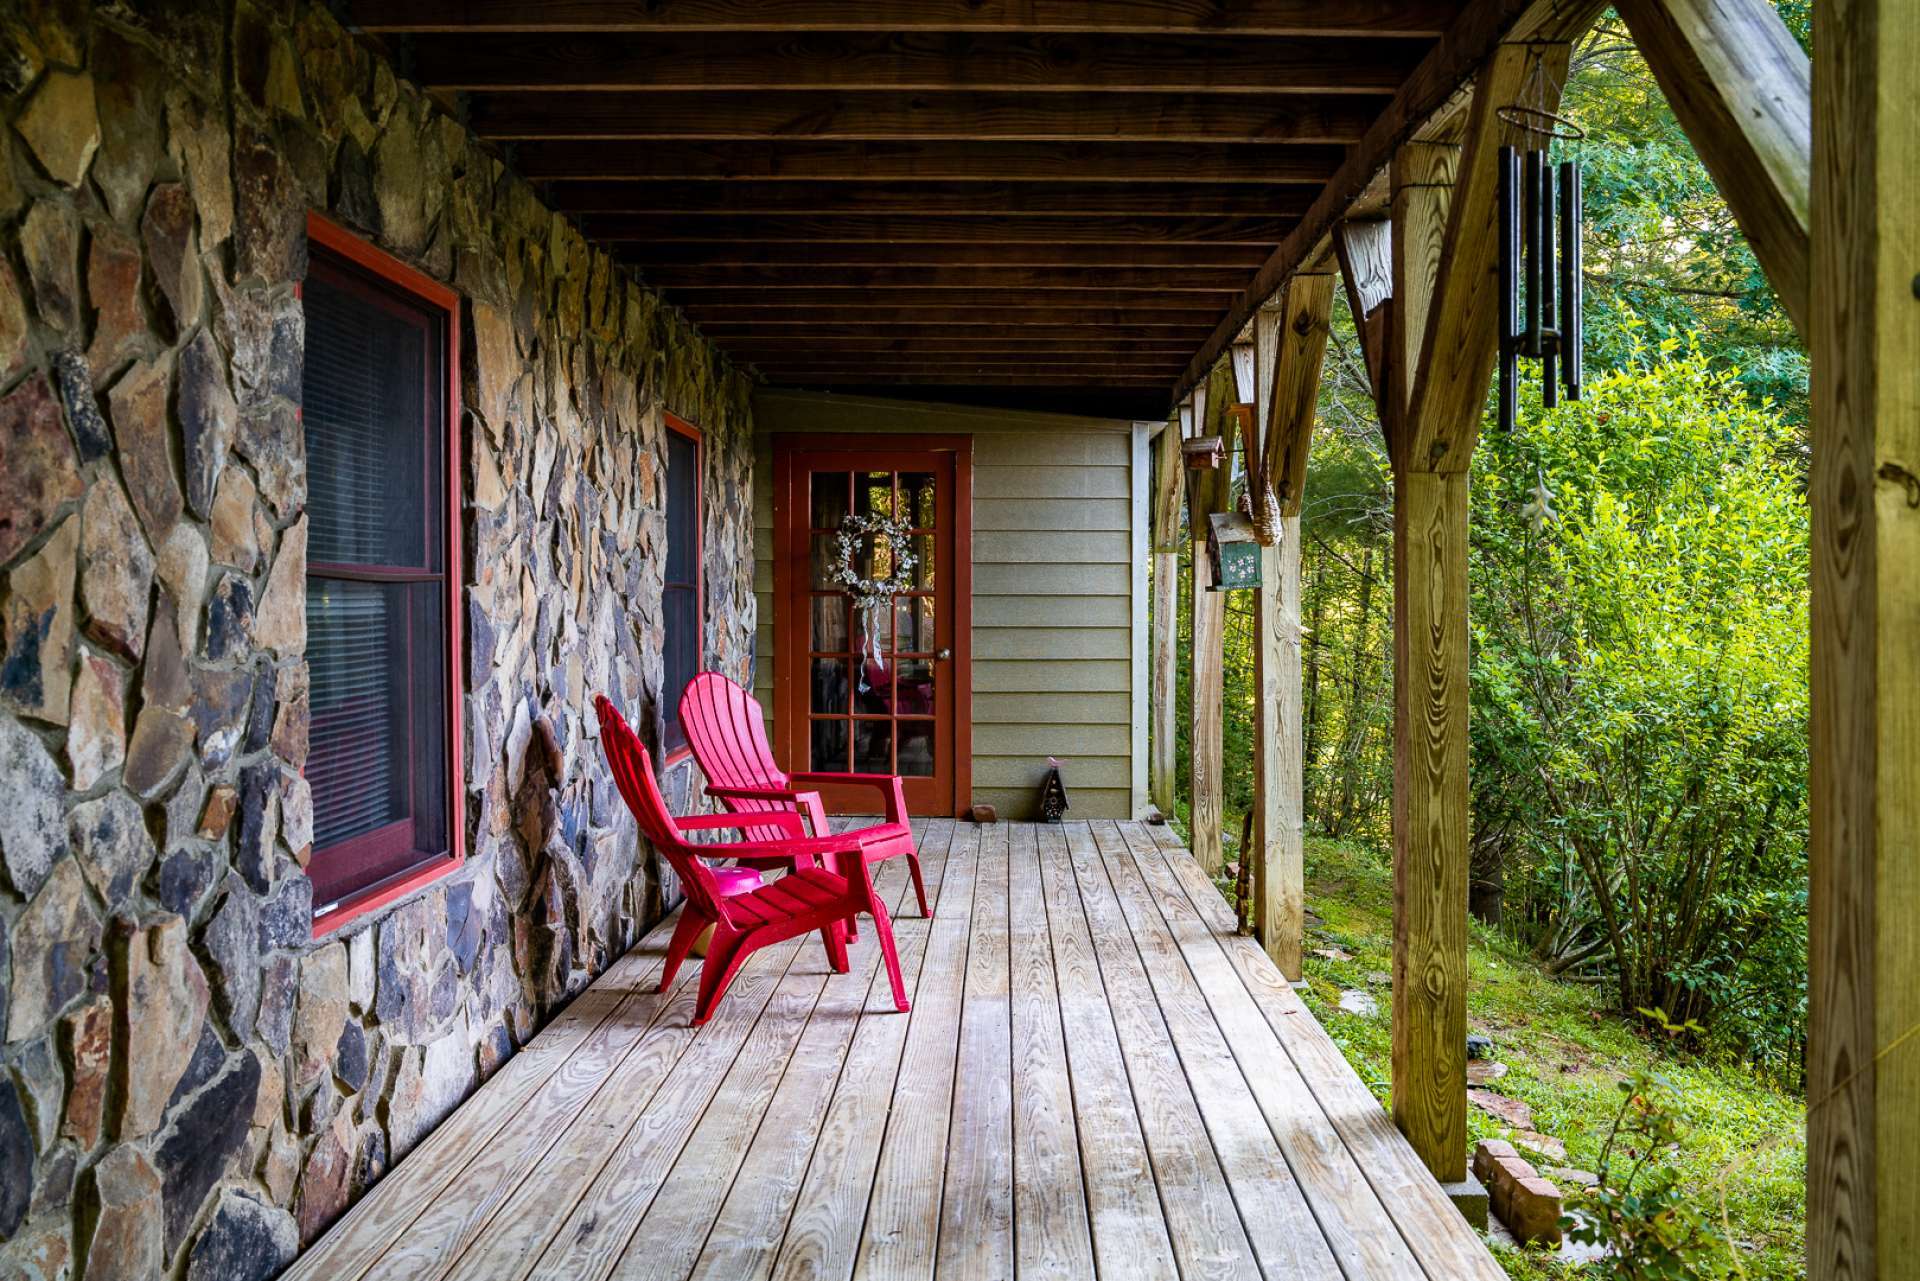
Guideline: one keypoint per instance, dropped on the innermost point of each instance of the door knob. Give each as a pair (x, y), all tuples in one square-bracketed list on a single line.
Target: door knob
[(943, 654)]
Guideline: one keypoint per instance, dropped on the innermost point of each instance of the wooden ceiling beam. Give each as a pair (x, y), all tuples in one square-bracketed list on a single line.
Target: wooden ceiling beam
[(961, 116), (1014, 302), (795, 199), (771, 347), (1026, 62), (1481, 27), (738, 333), (1026, 229), (909, 255), (808, 160), (1166, 280), (934, 315), (961, 372), (947, 378), (1150, 17)]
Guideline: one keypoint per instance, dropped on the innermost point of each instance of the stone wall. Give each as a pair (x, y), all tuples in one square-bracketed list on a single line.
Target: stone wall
[(190, 1086)]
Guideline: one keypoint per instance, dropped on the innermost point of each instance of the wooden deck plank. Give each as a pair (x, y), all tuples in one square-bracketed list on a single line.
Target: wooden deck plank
[(754, 1218), (903, 1211), (1098, 1078), (1051, 1236), (577, 1233), (1202, 1219), (823, 1235), (1285, 1236), (1123, 1200), (976, 1207), (1347, 1212), (367, 1230), (1446, 1244), (607, 1078), (670, 1236)]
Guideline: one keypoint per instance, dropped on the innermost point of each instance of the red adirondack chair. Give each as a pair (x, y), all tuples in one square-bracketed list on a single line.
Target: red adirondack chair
[(728, 735), (808, 898)]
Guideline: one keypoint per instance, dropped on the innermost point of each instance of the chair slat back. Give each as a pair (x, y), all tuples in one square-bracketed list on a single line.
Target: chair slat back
[(727, 732), (632, 768)]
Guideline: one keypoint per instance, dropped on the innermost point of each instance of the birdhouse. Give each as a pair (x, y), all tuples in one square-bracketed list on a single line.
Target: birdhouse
[(1204, 453), (1053, 793), (1233, 551)]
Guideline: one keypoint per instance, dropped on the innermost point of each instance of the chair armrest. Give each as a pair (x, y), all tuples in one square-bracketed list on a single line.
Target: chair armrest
[(798, 848), (807, 803), (888, 785), (753, 793), (786, 820)]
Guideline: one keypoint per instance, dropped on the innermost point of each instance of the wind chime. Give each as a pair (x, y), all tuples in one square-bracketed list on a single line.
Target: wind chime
[(1539, 205)]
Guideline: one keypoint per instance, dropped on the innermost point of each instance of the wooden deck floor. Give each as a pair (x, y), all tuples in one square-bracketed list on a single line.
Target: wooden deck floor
[(1097, 1079)]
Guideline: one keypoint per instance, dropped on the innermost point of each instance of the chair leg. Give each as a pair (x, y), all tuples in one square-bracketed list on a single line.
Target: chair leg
[(836, 940), (690, 927), (852, 923), (724, 958), (883, 930), (919, 885)]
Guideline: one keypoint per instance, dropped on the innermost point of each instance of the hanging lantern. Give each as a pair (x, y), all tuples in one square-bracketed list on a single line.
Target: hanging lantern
[(1540, 263), (1257, 500)]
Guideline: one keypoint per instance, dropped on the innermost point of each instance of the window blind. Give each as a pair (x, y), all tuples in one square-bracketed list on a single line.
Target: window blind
[(376, 638)]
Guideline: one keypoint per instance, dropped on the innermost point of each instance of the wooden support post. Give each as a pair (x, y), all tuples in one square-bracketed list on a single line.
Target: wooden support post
[(1440, 354), (1206, 745), (1863, 1057), (1290, 341), (1167, 534), (1742, 88), (1278, 898)]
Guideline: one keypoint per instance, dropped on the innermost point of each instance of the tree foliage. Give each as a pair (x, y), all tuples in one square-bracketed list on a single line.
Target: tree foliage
[(1639, 612), (1640, 691)]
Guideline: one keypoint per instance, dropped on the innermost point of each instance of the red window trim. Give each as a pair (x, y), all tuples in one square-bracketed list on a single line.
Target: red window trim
[(682, 427), (345, 244)]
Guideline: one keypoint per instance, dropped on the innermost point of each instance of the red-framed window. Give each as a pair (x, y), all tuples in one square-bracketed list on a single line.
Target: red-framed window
[(380, 412), (681, 604)]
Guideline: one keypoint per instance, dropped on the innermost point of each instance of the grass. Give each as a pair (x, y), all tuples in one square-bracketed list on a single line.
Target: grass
[(1565, 1053)]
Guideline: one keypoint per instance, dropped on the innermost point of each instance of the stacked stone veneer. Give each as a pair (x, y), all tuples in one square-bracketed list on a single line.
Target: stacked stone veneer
[(189, 1085)]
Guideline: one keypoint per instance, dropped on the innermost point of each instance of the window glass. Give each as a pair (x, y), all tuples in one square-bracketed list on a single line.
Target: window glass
[(374, 416), (680, 595)]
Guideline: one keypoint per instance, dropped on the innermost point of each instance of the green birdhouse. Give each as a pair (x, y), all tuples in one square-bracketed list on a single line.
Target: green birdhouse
[(1234, 551)]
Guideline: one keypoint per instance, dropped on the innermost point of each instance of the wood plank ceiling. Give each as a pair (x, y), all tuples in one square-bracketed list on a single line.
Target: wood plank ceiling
[(1051, 203)]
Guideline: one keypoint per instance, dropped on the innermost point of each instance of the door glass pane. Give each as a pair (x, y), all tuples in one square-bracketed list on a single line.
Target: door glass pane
[(916, 749), (873, 747), (861, 620), (822, 559), (924, 566), (830, 685), (873, 493), (830, 624), (829, 501), (917, 498), (913, 687), (913, 624), (873, 691), (828, 748)]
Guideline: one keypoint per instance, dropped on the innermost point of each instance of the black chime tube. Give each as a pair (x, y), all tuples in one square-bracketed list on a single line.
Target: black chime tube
[(1509, 286), (1572, 339), (1549, 281), (1531, 254)]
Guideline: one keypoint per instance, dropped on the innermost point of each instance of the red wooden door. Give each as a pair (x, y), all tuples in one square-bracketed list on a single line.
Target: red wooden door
[(836, 707)]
